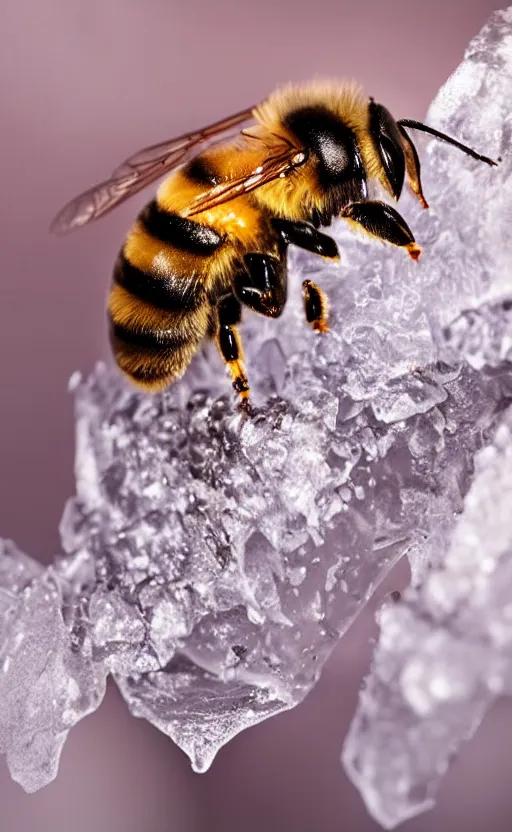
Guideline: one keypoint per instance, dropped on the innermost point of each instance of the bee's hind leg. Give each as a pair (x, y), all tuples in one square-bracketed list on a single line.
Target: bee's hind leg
[(229, 313)]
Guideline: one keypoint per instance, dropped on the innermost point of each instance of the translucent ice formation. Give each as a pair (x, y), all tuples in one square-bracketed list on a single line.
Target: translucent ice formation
[(444, 653), (212, 563), (47, 681)]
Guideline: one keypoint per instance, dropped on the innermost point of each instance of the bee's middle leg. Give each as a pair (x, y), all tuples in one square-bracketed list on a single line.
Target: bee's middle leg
[(316, 306), (306, 236)]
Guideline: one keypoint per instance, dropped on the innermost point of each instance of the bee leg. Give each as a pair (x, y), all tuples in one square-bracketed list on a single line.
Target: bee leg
[(412, 166), (305, 236), (382, 221), (316, 306), (229, 312), (262, 286)]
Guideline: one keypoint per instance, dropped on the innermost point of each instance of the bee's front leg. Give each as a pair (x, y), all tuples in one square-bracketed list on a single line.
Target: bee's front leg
[(382, 221), (262, 284), (306, 236)]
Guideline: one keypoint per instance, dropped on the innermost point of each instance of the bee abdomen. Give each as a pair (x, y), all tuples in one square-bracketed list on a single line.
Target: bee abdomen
[(146, 340), (151, 356), (173, 292), (186, 235)]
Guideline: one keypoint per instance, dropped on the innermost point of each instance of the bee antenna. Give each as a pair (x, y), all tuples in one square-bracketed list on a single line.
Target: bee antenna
[(417, 125)]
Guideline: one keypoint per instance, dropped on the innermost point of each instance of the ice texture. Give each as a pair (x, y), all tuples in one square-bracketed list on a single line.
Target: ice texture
[(444, 653), (211, 562), (47, 679)]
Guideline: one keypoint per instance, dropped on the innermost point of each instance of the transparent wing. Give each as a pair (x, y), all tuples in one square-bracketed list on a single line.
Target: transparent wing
[(271, 168), (139, 171)]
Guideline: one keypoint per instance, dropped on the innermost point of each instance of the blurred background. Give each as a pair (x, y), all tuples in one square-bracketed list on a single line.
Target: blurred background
[(83, 85)]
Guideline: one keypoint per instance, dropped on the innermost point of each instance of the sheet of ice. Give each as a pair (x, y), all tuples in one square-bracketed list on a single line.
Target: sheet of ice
[(212, 563)]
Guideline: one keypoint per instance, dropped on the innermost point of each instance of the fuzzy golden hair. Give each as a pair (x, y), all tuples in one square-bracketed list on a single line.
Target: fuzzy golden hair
[(345, 99)]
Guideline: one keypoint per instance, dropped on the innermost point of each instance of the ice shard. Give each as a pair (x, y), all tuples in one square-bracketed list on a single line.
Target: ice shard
[(210, 562), (47, 679), (444, 653)]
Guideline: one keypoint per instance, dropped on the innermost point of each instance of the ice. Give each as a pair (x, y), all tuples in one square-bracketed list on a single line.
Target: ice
[(47, 680), (212, 562), (444, 653), (483, 335)]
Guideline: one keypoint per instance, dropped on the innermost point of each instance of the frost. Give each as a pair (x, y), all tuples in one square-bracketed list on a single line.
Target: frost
[(211, 562)]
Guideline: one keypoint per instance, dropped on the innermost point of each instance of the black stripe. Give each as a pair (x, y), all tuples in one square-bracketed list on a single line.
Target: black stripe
[(152, 340), (198, 170), (179, 232), (175, 292)]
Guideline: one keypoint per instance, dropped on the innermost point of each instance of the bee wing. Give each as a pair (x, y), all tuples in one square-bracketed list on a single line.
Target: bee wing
[(276, 167), (140, 170)]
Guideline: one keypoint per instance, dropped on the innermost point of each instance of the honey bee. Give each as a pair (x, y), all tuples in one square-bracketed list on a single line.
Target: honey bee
[(239, 192)]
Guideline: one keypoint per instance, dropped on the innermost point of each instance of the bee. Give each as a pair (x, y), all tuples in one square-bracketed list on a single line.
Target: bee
[(214, 239)]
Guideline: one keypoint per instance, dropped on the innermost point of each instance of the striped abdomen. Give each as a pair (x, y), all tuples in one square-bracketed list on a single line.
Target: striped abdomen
[(158, 306)]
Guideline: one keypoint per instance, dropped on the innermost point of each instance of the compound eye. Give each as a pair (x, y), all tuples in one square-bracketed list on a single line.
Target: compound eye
[(386, 136), (393, 161)]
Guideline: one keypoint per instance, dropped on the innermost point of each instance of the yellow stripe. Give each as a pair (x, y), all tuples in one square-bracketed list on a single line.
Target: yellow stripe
[(131, 312)]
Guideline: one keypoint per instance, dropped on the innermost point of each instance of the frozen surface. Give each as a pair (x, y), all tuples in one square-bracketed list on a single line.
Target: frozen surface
[(211, 563), (47, 682), (444, 653)]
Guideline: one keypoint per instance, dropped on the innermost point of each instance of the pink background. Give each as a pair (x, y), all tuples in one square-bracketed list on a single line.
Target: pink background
[(82, 85)]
